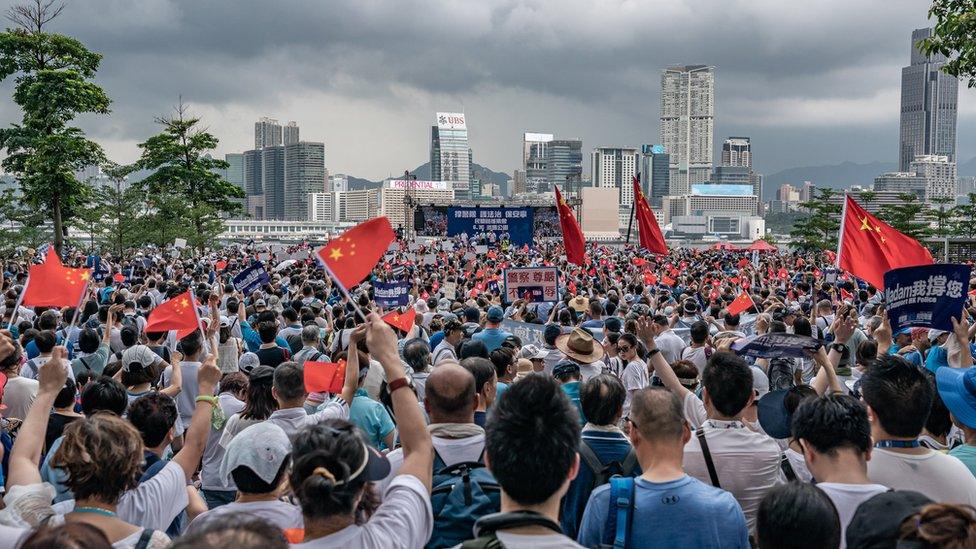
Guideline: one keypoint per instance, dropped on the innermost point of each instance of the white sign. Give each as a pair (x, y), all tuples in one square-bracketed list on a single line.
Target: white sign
[(179, 243), (531, 284), (450, 290), (412, 184), (451, 121), (480, 249), (430, 259), (538, 137)]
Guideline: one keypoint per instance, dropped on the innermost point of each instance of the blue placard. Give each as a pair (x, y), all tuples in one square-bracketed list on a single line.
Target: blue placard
[(926, 296), (251, 278), (516, 223), (392, 294), (776, 345)]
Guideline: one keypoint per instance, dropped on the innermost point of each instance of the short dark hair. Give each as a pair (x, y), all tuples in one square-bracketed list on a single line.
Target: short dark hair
[(88, 341), (416, 353), (66, 396), (241, 531), (104, 394), (899, 393), (289, 380), (797, 515), (248, 482), (472, 348), (153, 415), (191, 344), (129, 336), (657, 414), (45, 341), (728, 381), (833, 422), (698, 332), (267, 331), (531, 439), (602, 398), (502, 358), (481, 368)]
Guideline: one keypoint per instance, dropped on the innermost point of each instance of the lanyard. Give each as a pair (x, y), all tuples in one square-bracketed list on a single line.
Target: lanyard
[(897, 444)]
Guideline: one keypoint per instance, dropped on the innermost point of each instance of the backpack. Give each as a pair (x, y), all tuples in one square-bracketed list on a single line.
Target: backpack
[(129, 321), (603, 472), (620, 513), (461, 494), (486, 527), (781, 374)]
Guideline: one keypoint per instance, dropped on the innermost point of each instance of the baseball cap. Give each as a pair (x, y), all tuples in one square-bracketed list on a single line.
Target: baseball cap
[(877, 522), (533, 352), (262, 448), (138, 354), (248, 362), (444, 304), (903, 331), (564, 367), (936, 334), (957, 387), (260, 303), (495, 314), (224, 322), (262, 374), (760, 383)]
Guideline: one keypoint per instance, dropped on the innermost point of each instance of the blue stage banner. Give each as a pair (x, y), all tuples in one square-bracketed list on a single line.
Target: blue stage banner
[(776, 345), (516, 223), (251, 278), (391, 294), (927, 296)]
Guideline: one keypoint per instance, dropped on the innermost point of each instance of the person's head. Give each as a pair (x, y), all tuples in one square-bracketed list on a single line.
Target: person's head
[(453, 331), (310, 336), (156, 338), (484, 379), (129, 336), (627, 347), (154, 415), (240, 531), (877, 521), (687, 372), (66, 396), (832, 427), (595, 309), (602, 399), (503, 359), (234, 383), (70, 535), (898, 395), (656, 419), (940, 525), (698, 332), (257, 459), (472, 348), (416, 353), (289, 385), (45, 341), (802, 326), (450, 395), (531, 439), (728, 384), (88, 341), (494, 317), (192, 346), (550, 333), (797, 515), (139, 365), (331, 465), (102, 456), (104, 394), (267, 331), (260, 401)]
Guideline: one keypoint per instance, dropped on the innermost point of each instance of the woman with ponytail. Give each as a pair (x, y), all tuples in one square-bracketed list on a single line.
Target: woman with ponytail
[(333, 464)]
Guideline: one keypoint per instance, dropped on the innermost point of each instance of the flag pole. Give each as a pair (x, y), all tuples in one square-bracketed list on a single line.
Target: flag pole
[(840, 233), (633, 202), (20, 299), (74, 320), (342, 288), (196, 313)]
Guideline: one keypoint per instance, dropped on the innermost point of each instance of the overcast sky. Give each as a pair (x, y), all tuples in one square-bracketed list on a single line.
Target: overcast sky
[(811, 82)]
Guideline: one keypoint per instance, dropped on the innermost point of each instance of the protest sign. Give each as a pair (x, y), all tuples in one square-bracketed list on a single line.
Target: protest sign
[(392, 294), (480, 249), (430, 259), (450, 290), (531, 284), (179, 243), (776, 345), (251, 278), (926, 296), (515, 223)]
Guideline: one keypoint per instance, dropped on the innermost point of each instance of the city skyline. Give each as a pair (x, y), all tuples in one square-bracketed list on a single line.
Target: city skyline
[(811, 85)]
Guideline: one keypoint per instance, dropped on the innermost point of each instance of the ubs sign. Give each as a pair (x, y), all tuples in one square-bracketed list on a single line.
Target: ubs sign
[(451, 121)]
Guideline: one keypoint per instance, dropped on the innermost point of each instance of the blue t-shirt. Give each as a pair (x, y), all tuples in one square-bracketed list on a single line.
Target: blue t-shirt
[(372, 418), (500, 388), (572, 390), (938, 357), (492, 337), (253, 340), (965, 453), (680, 513), (609, 447)]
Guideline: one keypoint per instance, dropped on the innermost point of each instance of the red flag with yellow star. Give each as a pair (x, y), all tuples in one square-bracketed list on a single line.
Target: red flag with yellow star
[(401, 321), (352, 256), (869, 247), (51, 284), (573, 239), (648, 230), (178, 314)]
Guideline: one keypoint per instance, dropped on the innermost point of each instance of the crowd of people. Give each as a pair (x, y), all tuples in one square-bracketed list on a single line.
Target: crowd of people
[(624, 417)]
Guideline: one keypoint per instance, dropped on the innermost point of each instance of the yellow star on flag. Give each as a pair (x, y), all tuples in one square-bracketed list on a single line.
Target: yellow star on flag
[(865, 224), (335, 254)]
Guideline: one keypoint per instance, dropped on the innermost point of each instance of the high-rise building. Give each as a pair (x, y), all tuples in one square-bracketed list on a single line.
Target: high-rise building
[(235, 168), (338, 183), (737, 151), (615, 167), (655, 173), (939, 174), (253, 184), (518, 182), (566, 165), (290, 133), (535, 161), (902, 182), (273, 181), (808, 191), (322, 206), (267, 133), (929, 100), (788, 193), (450, 154), (687, 123), (304, 174)]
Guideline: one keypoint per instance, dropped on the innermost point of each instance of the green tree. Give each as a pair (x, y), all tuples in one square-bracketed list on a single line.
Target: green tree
[(20, 225), (965, 223), (818, 230), (184, 171), (123, 208), (954, 36), (942, 216), (910, 216), (52, 86), (867, 197)]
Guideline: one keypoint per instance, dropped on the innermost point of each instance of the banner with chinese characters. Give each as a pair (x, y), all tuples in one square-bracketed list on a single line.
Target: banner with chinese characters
[(392, 294), (531, 284), (927, 296), (251, 278), (514, 224)]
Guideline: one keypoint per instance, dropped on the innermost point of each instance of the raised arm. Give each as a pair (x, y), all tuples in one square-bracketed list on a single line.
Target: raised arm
[(963, 357), (645, 331), (196, 434), (418, 455), (351, 382), (175, 379)]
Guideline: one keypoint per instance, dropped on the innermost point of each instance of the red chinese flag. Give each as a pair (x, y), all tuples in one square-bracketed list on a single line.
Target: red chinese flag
[(743, 263), (651, 238), (869, 248), (573, 239), (221, 265), (176, 314), (639, 261), (352, 256), (844, 294), (118, 277), (650, 279), (51, 284), (667, 281), (401, 321), (740, 304), (324, 377)]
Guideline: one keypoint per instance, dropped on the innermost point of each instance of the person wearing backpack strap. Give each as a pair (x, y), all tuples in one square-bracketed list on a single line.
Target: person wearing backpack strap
[(604, 449), (675, 509)]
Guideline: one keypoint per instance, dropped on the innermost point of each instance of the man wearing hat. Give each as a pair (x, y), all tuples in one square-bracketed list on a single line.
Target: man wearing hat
[(535, 356), (567, 373), (580, 347), (957, 387), (492, 335)]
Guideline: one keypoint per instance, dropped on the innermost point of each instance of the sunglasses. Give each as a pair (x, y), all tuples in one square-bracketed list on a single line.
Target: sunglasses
[(623, 348)]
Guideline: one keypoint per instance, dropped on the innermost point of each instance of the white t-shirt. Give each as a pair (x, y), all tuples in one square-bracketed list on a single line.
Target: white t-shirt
[(291, 420), (847, 498), (404, 520), (634, 378), (697, 356), (213, 453), (671, 345), (282, 514), (938, 476), (11, 536), (550, 541), (155, 503), (799, 465), (451, 450), (591, 370)]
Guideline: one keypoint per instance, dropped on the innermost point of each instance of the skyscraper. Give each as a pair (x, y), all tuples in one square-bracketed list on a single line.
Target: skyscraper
[(304, 174), (290, 133), (253, 183), (737, 151), (235, 168), (450, 155), (687, 124), (535, 160), (655, 169), (928, 107), (267, 133), (273, 181), (566, 164), (615, 167)]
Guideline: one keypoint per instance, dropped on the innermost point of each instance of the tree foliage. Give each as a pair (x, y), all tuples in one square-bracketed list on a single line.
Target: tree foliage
[(20, 224), (818, 230), (909, 217), (954, 36), (964, 224), (186, 185), (52, 85)]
